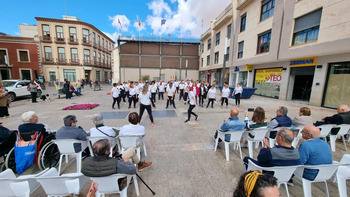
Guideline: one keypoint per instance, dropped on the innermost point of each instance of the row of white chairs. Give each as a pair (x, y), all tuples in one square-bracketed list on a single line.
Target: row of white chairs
[(60, 185)]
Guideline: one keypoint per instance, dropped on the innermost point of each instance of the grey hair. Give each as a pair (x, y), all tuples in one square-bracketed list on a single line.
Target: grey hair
[(97, 119), (27, 116), (68, 120), (283, 110), (285, 136)]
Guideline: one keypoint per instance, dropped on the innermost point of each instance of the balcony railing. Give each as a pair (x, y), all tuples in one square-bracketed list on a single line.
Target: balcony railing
[(86, 42), (74, 61), (62, 61), (59, 40), (47, 60), (87, 62), (72, 40), (46, 39)]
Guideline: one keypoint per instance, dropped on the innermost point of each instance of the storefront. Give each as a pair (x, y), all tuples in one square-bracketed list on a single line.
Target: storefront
[(268, 82), (240, 77)]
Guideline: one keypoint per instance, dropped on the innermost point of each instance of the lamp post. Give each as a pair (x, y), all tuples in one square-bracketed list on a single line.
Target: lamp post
[(224, 64), (186, 69)]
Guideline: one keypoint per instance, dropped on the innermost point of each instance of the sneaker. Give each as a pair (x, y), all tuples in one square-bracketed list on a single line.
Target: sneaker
[(290, 183), (196, 117), (186, 121), (144, 165), (153, 123)]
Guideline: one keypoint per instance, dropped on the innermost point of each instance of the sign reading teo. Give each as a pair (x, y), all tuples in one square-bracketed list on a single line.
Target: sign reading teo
[(275, 78)]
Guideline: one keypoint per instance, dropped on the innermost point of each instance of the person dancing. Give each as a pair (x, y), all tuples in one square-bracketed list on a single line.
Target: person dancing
[(161, 90), (115, 92), (153, 89), (145, 103), (202, 94), (225, 93), (132, 94), (238, 91), (211, 95), (170, 95), (192, 105)]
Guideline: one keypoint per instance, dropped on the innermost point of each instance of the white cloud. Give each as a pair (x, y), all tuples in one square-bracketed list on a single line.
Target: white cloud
[(17, 33), (124, 22), (113, 36), (140, 28)]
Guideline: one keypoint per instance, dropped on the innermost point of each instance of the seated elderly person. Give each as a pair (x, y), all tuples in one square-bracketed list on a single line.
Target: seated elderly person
[(304, 119), (232, 124), (134, 128), (281, 120), (30, 125), (101, 130), (7, 139)]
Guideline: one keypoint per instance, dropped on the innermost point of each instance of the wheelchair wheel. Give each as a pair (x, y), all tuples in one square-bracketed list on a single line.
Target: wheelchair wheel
[(49, 156), (10, 160)]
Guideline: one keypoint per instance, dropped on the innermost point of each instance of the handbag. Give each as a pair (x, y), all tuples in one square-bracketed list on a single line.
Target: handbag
[(25, 152)]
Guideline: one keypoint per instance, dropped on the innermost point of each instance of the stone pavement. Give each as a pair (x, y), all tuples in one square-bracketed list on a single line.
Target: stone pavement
[(184, 162)]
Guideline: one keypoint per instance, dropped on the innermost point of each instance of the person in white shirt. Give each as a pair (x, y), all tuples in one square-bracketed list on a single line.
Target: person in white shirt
[(192, 104), (182, 89), (202, 94), (125, 93), (100, 130), (225, 93), (238, 91), (145, 103), (115, 92), (161, 90), (176, 85), (170, 94), (211, 95), (153, 89), (132, 94)]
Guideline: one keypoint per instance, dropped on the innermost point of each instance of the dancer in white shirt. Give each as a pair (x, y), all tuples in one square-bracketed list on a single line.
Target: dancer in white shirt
[(225, 93), (238, 91), (115, 92), (170, 94), (153, 89), (132, 94), (145, 103), (161, 90), (182, 90), (211, 95), (192, 104)]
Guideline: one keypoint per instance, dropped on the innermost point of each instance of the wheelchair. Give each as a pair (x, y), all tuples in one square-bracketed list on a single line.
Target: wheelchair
[(48, 155)]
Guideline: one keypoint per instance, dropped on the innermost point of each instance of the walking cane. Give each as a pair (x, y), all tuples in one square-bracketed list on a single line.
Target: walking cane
[(154, 193)]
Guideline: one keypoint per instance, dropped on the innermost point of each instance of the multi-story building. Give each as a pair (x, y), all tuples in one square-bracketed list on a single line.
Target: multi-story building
[(72, 49), (19, 58), (214, 43), (159, 60)]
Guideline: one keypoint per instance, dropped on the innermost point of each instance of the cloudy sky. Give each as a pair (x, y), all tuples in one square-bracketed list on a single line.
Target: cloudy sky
[(188, 19)]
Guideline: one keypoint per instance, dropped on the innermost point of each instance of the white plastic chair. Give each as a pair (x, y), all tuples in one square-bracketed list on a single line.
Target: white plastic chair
[(325, 172), (235, 140), (282, 173), (114, 142), (343, 130), (66, 184), (343, 173), (66, 148), (297, 138), (325, 130), (259, 135), (130, 141), (109, 184)]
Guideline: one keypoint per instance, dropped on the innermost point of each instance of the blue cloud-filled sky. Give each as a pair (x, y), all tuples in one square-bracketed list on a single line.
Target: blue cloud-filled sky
[(184, 18)]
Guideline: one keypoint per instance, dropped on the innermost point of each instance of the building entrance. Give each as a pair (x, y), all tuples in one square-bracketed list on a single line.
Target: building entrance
[(303, 78)]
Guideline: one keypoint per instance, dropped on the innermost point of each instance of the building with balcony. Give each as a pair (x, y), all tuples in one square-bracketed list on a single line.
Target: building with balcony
[(19, 58), (72, 49)]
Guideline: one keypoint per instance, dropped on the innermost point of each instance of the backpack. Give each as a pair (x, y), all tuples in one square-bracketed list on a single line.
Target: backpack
[(28, 88)]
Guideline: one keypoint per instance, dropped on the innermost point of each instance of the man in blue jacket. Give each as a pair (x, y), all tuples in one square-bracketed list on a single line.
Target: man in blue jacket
[(281, 120), (232, 124)]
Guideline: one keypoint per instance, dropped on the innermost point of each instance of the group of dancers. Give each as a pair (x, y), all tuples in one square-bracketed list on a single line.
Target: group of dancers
[(190, 91)]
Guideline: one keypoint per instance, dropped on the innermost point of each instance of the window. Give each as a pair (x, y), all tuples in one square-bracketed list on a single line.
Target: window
[(229, 31), (94, 56), (86, 55), (103, 59), (103, 42), (99, 57), (264, 42), (3, 54), (202, 47), (243, 78), (69, 74), (85, 36), (216, 60), (98, 75), (73, 34), (48, 53), (217, 40), (25, 74), (46, 31), (61, 54), (52, 75), (267, 8), (106, 75), (208, 60), (59, 33), (202, 62), (209, 43), (94, 37), (74, 54), (243, 22), (23, 55), (240, 50), (227, 53), (306, 28), (98, 40)]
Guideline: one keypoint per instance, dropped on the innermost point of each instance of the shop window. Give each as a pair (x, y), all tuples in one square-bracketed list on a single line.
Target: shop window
[(264, 42), (268, 82), (243, 22), (98, 76), (337, 88), (267, 9), (216, 60), (243, 78), (69, 74), (307, 27), (240, 50)]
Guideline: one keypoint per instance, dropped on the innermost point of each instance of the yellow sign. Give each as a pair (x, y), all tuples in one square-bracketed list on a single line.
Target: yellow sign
[(248, 67), (308, 61), (272, 75)]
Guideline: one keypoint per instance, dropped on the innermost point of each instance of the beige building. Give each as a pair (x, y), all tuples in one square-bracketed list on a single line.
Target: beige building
[(72, 49)]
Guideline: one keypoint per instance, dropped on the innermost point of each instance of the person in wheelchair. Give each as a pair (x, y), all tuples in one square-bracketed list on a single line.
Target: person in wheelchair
[(7, 139), (31, 125)]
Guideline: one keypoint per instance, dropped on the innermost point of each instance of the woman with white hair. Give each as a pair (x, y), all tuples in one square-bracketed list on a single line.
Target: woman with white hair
[(31, 125), (101, 130)]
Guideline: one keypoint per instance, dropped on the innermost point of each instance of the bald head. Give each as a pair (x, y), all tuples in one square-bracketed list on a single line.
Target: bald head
[(234, 112), (101, 147), (311, 132), (287, 137), (343, 108)]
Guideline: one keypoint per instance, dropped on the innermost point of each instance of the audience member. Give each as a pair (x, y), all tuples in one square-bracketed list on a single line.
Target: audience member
[(304, 119), (281, 120), (343, 116), (134, 128), (30, 125), (7, 139), (232, 124), (258, 120), (313, 151), (256, 184), (282, 154), (101, 130)]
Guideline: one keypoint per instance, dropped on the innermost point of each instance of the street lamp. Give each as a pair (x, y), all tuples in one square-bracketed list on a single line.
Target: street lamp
[(224, 64), (186, 69)]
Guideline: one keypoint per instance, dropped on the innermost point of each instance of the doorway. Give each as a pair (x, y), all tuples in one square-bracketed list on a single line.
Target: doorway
[(25, 74), (303, 78), (87, 75)]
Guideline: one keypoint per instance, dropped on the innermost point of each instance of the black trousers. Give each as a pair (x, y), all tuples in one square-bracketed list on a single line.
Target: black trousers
[(212, 102), (116, 99), (149, 111), (185, 96), (224, 99), (189, 111), (132, 99), (177, 90), (201, 99), (171, 101), (123, 95), (181, 94), (238, 98), (161, 94), (33, 94), (153, 96)]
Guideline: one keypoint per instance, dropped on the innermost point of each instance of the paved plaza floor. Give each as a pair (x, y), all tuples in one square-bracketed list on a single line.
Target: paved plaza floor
[(184, 161)]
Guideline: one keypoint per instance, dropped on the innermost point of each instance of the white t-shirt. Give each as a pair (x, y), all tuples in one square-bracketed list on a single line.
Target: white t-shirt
[(120, 87), (115, 92), (225, 92), (181, 86), (176, 84), (238, 90), (192, 95), (171, 90), (161, 87), (132, 91), (194, 89), (144, 98), (212, 93), (96, 133), (153, 88), (133, 130)]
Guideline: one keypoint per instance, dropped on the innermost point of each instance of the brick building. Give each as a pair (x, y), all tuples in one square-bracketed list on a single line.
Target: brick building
[(20, 57)]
